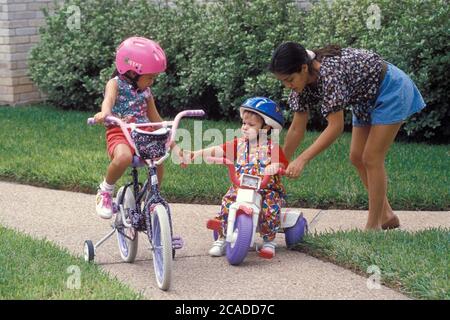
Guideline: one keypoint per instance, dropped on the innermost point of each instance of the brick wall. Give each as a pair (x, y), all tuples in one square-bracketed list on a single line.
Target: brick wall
[(19, 27)]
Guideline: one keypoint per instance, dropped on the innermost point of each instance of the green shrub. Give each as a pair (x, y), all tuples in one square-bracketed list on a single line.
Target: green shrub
[(67, 62), (228, 51), (412, 34), (218, 51)]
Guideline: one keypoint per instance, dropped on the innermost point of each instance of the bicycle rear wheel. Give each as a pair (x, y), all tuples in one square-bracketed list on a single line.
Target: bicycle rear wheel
[(162, 246)]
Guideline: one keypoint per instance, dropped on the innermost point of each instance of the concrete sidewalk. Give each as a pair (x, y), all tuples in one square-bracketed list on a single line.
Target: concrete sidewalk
[(68, 219)]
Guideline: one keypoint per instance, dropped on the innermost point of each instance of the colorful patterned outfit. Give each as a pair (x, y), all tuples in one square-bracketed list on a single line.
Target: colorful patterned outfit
[(254, 163), (131, 106), (354, 79)]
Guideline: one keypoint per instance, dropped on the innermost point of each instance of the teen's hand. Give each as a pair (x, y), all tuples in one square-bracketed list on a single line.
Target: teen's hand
[(296, 167)]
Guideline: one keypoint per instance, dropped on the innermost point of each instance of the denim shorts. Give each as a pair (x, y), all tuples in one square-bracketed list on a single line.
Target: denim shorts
[(397, 99)]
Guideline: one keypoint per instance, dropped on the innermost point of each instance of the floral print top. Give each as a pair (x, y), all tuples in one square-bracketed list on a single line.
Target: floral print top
[(131, 104), (352, 79)]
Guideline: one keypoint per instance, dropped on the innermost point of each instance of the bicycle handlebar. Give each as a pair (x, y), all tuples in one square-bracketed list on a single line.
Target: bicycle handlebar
[(174, 124), (232, 171)]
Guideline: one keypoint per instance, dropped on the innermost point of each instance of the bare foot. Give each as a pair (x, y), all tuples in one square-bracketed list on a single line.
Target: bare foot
[(392, 223)]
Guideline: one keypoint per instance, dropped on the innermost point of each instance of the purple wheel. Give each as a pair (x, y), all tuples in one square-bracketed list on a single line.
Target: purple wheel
[(296, 233), (238, 248)]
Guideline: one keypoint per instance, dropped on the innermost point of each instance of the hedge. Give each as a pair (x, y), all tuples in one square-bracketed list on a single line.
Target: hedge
[(218, 51)]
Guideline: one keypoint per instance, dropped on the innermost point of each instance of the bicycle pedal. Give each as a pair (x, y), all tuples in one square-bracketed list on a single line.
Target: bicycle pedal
[(177, 242)]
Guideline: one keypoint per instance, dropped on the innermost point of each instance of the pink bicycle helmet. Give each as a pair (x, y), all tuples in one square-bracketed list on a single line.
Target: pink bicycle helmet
[(141, 55)]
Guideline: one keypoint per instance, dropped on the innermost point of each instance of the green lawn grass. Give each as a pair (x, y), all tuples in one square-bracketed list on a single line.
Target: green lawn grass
[(37, 269), (44, 146), (415, 263)]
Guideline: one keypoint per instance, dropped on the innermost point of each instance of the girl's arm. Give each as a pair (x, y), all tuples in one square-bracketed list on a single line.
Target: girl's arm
[(227, 150), (295, 133), (334, 128), (152, 112), (215, 151), (109, 100)]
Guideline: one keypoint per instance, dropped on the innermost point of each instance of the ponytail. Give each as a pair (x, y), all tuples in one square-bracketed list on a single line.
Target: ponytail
[(330, 50)]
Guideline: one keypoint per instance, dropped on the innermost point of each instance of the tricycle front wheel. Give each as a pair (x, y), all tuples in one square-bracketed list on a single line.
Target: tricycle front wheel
[(238, 248)]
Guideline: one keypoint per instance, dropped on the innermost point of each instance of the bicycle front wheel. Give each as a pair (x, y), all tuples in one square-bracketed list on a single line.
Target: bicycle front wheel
[(127, 238), (162, 246)]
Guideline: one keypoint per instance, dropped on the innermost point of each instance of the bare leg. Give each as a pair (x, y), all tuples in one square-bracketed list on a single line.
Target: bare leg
[(359, 139), (121, 160), (160, 174), (378, 142)]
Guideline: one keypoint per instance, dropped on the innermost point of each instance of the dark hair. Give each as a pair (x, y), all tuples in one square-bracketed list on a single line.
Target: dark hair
[(128, 77), (115, 74), (290, 56)]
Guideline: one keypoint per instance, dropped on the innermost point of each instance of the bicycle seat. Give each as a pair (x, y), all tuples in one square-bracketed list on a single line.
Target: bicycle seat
[(137, 162)]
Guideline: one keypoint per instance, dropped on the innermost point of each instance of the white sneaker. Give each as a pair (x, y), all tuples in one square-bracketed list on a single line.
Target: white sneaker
[(104, 204), (218, 248)]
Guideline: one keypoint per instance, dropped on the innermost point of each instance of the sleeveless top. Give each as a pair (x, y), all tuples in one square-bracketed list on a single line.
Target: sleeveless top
[(131, 103)]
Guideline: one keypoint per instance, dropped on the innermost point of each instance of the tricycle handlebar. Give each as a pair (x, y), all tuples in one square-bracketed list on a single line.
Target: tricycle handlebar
[(232, 171)]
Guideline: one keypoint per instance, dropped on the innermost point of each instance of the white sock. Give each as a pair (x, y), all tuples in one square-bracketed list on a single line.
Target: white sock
[(104, 186)]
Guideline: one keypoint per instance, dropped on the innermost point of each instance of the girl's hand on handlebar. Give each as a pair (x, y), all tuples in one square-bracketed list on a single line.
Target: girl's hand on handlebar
[(100, 117)]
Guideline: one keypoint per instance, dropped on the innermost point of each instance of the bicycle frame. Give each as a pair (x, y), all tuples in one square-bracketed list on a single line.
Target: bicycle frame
[(152, 197)]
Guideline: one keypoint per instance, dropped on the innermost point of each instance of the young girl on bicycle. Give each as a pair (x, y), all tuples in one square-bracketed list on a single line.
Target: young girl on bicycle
[(256, 154), (128, 96)]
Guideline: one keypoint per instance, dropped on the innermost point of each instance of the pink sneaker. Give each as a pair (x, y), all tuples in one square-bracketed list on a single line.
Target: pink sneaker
[(104, 204)]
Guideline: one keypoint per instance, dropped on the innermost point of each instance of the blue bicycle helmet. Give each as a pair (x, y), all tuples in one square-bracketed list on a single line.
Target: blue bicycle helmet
[(267, 109)]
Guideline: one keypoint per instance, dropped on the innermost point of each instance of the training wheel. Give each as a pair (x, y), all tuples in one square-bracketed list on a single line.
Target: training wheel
[(89, 251)]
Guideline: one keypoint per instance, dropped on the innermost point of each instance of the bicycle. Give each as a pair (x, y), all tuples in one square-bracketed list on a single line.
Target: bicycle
[(243, 216), (140, 207)]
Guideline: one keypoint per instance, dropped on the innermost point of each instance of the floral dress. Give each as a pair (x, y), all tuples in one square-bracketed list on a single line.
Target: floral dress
[(273, 195)]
